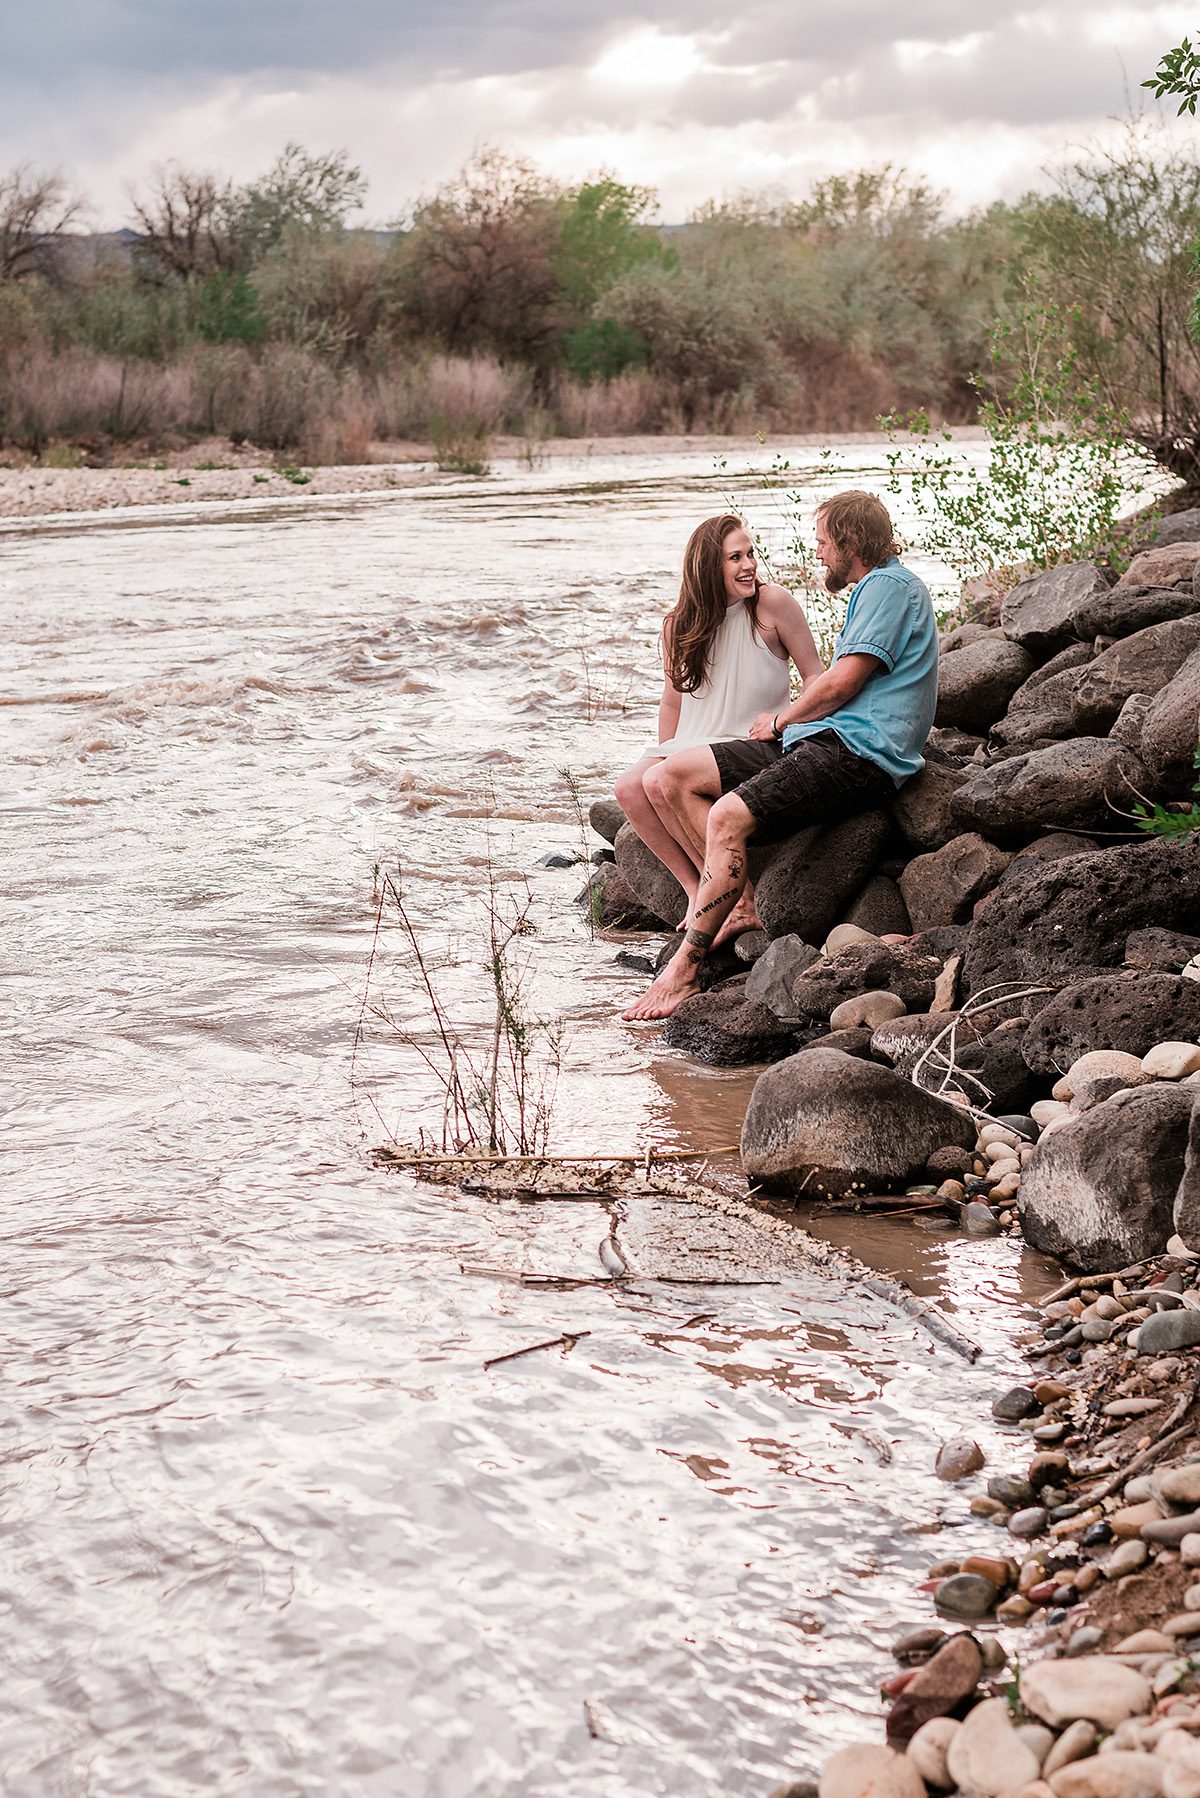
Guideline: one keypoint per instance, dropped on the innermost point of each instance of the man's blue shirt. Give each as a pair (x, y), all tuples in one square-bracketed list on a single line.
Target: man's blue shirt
[(890, 616)]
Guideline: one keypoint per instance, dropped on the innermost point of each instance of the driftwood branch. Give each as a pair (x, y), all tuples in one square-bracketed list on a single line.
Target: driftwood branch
[(567, 1340)]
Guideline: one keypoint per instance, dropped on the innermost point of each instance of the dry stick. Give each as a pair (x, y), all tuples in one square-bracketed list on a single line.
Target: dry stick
[(934, 1320), (978, 1002), (567, 1340), (1172, 1435), (479, 1158)]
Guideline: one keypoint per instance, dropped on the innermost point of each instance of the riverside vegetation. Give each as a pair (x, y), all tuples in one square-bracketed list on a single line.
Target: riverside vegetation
[(507, 302)]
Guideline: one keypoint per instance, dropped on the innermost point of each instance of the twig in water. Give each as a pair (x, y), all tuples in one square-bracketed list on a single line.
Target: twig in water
[(567, 1340)]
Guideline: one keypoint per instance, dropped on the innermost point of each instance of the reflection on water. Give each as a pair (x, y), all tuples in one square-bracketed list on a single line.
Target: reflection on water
[(270, 1523)]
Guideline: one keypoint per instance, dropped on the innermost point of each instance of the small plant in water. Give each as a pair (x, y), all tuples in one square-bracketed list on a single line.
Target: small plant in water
[(462, 447), (297, 476), (497, 1095), (571, 781)]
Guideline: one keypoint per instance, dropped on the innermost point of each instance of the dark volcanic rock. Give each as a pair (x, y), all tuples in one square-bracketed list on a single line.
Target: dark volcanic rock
[(867, 967), (1160, 951), (606, 818), (1114, 1011), (1063, 919), (1040, 612), (879, 908), (942, 1686), (613, 903), (813, 874), (942, 887), (921, 808), (851, 1042), (655, 888), (727, 1030), (1100, 1191), (1170, 729), (822, 1122), (1123, 610), (903, 1041), (1143, 663), (1130, 721), (997, 1061), (975, 684), (1084, 784)]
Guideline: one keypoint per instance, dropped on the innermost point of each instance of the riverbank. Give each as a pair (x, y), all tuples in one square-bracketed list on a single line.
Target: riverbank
[(218, 470)]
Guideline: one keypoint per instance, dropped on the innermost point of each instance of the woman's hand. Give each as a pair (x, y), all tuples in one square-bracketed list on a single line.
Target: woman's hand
[(763, 728)]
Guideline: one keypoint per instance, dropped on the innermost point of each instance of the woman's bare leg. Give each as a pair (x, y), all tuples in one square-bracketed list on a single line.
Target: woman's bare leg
[(635, 801), (683, 789)]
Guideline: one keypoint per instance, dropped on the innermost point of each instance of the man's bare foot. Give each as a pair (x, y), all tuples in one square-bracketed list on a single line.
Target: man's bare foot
[(677, 982), (743, 917)]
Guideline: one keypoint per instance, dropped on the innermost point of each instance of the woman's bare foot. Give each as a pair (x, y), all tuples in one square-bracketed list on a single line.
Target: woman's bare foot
[(677, 982), (743, 917)]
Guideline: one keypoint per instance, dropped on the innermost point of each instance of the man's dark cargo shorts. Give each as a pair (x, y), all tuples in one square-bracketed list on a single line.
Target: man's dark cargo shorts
[(817, 782)]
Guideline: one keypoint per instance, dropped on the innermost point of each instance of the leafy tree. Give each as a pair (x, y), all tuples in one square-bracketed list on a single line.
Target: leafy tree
[(604, 233), (478, 270), (1113, 248), (299, 194), (1178, 75), (706, 336)]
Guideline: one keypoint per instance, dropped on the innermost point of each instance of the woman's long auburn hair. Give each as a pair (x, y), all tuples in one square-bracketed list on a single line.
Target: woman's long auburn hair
[(702, 607)]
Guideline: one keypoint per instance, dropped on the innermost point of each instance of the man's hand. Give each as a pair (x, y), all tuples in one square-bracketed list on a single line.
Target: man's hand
[(763, 728)]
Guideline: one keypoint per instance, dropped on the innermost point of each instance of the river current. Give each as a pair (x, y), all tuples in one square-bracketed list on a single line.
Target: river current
[(269, 1524)]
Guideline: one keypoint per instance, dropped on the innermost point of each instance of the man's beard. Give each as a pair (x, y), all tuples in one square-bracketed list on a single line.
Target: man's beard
[(837, 577)]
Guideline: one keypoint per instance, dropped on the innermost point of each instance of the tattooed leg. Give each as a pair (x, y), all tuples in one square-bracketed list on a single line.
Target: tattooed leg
[(721, 883)]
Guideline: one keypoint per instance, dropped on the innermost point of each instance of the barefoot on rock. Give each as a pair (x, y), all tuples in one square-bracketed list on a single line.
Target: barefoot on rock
[(677, 982)]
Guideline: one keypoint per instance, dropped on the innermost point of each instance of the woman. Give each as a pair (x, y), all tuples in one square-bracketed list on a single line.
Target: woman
[(725, 649)]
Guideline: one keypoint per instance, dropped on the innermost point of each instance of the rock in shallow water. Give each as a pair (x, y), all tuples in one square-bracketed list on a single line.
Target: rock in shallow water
[(822, 1121), (966, 1595), (958, 1458)]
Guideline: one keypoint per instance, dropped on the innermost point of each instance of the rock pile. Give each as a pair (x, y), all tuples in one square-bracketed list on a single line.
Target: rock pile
[(1001, 941), (1103, 1562)]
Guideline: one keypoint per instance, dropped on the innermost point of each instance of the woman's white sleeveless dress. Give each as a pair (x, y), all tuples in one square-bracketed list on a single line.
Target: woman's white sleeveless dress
[(742, 680)]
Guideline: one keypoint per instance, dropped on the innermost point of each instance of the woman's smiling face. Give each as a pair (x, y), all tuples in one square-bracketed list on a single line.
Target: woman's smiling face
[(740, 566)]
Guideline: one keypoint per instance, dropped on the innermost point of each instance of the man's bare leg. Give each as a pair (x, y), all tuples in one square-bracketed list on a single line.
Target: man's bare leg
[(730, 824), (632, 790)]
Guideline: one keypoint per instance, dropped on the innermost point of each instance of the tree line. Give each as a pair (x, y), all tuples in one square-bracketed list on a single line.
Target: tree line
[(509, 301)]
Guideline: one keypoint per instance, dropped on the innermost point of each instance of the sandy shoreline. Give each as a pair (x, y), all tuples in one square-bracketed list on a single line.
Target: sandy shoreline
[(217, 471)]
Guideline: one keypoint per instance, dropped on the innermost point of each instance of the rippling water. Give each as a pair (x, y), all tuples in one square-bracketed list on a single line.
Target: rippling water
[(269, 1524)]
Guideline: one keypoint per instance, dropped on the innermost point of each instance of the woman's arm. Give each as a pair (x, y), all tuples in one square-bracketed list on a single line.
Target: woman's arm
[(786, 614), (672, 698)]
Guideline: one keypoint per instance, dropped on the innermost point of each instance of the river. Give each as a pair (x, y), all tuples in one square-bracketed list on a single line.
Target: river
[(270, 1525)]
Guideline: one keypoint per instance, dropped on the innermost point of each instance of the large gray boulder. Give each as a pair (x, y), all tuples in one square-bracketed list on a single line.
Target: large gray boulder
[(1187, 1198), (975, 684), (1081, 785), (826, 1123), (921, 808), (1063, 919), (606, 818), (1039, 613), (1130, 1011), (1143, 663), (1100, 1190), (775, 972), (814, 873), (1167, 565), (942, 887), (612, 902), (1123, 610), (1171, 729), (1174, 527)]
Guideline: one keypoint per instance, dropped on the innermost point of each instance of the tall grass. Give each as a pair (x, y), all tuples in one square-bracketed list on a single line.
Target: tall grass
[(291, 399)]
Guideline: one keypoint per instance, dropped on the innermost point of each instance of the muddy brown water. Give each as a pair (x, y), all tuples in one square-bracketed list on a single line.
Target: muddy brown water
[(269, 1524)]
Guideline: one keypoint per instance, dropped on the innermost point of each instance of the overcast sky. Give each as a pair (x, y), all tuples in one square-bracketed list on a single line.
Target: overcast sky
[(693, 98)]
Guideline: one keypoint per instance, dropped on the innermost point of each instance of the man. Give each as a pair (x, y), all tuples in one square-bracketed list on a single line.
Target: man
[(849, 741)]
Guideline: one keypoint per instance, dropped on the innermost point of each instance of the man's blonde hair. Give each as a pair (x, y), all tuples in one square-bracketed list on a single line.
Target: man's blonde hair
[(861, 526)]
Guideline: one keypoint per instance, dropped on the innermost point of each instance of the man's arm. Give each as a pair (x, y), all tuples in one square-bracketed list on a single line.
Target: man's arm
[(821, 697)]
